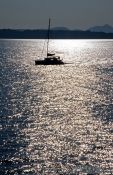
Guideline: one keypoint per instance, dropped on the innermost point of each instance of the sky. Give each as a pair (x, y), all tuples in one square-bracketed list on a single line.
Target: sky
[(73, 14)]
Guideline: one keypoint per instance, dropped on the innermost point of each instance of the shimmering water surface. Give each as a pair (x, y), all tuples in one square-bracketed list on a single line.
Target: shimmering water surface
[(56, 120)]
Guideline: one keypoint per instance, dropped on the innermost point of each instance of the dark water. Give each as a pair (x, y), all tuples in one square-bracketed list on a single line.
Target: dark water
[(56, 120)]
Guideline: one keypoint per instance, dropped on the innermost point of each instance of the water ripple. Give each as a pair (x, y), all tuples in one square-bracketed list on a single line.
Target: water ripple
[(56, 119)]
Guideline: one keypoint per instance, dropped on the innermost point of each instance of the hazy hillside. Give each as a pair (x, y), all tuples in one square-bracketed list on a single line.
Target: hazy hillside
[(54, 34), (60, 28), (106, 28)]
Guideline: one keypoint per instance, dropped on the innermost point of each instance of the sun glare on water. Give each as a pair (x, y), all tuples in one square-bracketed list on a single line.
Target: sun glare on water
[(56, 119)]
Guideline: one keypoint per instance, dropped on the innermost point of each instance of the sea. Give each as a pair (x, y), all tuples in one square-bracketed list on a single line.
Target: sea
[(56, 119)]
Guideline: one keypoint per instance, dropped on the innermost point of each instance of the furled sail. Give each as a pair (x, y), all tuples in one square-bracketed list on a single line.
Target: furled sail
[(50, 54)]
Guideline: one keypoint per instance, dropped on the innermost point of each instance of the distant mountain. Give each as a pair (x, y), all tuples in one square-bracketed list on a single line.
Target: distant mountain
[(106, 29), (54, 34), (59, 28)]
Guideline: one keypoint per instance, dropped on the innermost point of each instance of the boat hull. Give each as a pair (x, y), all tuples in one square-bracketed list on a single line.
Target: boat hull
[(48, 62)]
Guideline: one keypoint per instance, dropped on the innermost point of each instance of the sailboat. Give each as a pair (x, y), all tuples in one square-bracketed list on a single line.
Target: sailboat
[(51, 58)]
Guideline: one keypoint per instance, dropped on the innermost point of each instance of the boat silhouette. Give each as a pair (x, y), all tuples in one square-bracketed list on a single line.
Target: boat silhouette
[(51, 58)]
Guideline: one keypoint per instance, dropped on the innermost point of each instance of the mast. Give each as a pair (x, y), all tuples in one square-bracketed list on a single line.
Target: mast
[(48, 35)]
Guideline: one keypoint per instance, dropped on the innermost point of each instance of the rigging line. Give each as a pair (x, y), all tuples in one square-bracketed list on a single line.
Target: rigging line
[(43, 48), (48, 35)]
